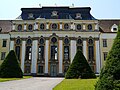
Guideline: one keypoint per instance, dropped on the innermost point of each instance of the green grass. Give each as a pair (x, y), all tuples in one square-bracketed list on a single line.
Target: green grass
[(76, 84), (10, 79)]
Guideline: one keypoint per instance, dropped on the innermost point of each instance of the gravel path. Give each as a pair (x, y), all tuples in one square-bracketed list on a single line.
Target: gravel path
[(35, 83)]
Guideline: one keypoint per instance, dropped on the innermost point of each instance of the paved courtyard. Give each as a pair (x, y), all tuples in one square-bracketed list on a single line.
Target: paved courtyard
[(35, 83)]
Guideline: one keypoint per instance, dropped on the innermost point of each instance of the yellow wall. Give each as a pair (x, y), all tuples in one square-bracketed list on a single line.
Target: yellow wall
[(4, 49)]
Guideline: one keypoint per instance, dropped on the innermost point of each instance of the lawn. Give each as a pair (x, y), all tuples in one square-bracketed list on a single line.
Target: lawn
[(76, 84), (10, 79)]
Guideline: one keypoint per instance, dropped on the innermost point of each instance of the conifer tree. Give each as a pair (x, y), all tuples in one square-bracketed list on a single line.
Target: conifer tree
[(79, 68), (10, 67), (110, 74)]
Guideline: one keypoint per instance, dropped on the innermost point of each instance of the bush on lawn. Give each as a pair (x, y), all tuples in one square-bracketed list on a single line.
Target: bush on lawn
[(79, 68), (110, 74), (10, 67)]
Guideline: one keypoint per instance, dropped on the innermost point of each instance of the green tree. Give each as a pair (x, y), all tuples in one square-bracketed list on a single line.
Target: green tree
[(79, 68), (10, 68), (110, 74)]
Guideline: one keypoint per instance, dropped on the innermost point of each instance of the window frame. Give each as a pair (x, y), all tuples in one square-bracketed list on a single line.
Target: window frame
[(4, 44), (3, 54), (104, 42)]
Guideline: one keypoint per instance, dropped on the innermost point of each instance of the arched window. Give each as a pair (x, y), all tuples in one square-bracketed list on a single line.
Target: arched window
[(54, 49), (41, 49), (28, 56), (19, 27), (66, 48), (90, 49), (80, 44), (17, 48)]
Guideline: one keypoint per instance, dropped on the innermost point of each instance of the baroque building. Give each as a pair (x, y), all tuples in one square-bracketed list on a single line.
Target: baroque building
[(46, 39)]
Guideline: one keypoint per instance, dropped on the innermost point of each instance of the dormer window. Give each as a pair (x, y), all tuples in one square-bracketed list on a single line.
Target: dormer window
[(114, 28), (30, 16), (78, 16), (54, 13)]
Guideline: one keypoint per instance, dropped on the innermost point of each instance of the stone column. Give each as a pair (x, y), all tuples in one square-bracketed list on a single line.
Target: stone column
[(34, 57), (11, 45), (72, 49), (97, 45), (60, 57), (46, 56), (23, 55)]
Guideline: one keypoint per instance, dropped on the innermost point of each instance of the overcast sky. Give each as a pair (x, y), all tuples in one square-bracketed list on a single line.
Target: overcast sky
[(100, 9)]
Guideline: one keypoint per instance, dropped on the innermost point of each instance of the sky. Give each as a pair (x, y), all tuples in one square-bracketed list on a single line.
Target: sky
[(100, 9)]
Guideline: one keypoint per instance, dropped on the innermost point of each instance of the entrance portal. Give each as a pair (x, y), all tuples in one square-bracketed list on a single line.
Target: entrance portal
[(53, 70)]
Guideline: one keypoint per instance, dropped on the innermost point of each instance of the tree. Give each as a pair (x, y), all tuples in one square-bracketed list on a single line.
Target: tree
[(10, 68), (110, 74), (79, 68)]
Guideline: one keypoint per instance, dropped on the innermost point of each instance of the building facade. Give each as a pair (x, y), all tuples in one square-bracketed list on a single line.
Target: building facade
[(46, 39)]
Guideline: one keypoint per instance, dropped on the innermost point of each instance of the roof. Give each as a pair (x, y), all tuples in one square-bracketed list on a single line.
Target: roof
[(62, 12), (106, 24), (5, 25)]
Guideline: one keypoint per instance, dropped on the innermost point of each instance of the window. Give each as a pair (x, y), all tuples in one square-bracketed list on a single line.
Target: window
[(4, 43), (90, 50), (3, 55), (29, 41), (114, 29), (53, 40), (66, 26), (19, 27), (30, 27), (54, 26), (18, 41), (41, 53), (79, 45), (28, 53), (66, 41), (105, 55), (40, 69), (54, 51), (66, 52), (91, 53), (42, 26), (79, 27), (89, 27), (41, 41), (17, 50), (66, 48), (104, 42)]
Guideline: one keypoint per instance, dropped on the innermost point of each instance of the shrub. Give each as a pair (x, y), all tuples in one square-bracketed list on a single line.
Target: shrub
[(110, 74), (79, 68), (10, 68)]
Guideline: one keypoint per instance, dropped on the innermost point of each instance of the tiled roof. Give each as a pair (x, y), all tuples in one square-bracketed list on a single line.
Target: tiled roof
[(6, 25), (106, 24)]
